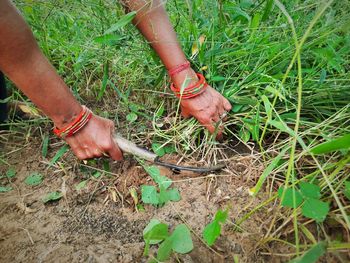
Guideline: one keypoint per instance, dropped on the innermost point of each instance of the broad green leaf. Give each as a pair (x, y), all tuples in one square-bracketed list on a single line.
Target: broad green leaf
[(174, 195), (347, 189), (181, 239), (315, 209), (109, 39), (211, 232), (221, 216), (10, 173), (81, 185), (34, 179), (333, 145), (149, 227), (164, 250), (45, 146), (4, 189), (310, 190), (131, 117), (312, 255), (288, 199), (149, 195), (157, 232), (244, 134), (154, 172), (59, 153), (158, 149), (124, 20), (52, 197)]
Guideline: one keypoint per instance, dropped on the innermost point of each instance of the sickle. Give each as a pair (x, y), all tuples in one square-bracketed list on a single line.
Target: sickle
[(131, 148)]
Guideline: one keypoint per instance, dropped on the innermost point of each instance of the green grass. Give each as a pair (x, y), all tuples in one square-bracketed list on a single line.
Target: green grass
[(285, 69)]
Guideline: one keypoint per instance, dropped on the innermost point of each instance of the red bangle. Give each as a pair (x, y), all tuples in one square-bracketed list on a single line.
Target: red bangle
[(190, 91), (77, 124), (178, 68)]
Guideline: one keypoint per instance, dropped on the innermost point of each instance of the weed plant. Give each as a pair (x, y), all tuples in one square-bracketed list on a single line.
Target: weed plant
[(283, 65)]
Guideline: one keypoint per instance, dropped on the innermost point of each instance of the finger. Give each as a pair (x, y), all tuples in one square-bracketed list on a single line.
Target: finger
[(227, 105), (114, 152), (185, 114)]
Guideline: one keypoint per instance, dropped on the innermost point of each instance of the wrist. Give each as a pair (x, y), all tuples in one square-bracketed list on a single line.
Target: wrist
[(186, 77), (64, 116)]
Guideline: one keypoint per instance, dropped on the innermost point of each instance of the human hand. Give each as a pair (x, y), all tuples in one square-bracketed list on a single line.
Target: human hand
[(95, 140), (208, 108)]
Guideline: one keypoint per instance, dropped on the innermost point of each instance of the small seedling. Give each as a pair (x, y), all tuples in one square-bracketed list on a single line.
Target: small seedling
[(179, 241), (53, 196), (34, 179), (4, 189), (150, 193), (212, 231), (10, 173)]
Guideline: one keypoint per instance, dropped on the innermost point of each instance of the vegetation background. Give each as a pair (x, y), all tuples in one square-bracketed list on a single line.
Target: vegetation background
[(284, 66)]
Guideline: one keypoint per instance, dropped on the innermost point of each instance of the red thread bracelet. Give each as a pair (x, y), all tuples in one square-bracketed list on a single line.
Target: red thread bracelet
[(77, 124), (179, 68), (192, 90)]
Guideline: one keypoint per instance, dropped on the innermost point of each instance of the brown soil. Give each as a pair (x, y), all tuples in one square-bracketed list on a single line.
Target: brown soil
[(100, 224)]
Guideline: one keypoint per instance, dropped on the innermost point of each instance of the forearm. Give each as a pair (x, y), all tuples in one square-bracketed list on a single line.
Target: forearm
[(153, 22), (23, 62)]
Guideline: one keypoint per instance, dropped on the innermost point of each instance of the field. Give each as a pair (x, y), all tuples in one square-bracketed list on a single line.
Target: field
[(285, 193)]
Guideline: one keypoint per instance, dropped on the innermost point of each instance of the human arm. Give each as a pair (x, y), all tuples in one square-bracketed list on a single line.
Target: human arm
[(23, 62), (153, 22)]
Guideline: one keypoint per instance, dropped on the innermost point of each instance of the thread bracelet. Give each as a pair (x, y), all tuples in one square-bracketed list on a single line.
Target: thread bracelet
[(76, 125)]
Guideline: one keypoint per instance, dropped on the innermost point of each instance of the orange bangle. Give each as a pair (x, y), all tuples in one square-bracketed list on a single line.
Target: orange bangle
[(190, 91)]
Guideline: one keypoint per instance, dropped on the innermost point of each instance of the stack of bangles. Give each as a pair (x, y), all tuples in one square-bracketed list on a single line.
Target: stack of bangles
[(76, 125), (190, 91)]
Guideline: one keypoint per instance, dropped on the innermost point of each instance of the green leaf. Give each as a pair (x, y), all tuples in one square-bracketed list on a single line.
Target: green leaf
[(124, 20), (267, 10), (149, 195), (310, 190), (10, 173), (312, 255), (4, 189), (347, 189), (34, 179), (131, 117), (158, 149), (53, 196), (288, 200), (211, 232), (333, 145), (97, 174), (268, 106), (158, 233), (221, 216), (315, 209), (170, 149), (154, 172), (45, 146), (59, 153), (164, 250), (109, 39), (173, 195), (218, 78), (181, 239), (81, 185)]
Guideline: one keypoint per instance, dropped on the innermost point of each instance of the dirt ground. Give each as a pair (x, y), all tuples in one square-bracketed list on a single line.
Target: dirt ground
[(99, 223)]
